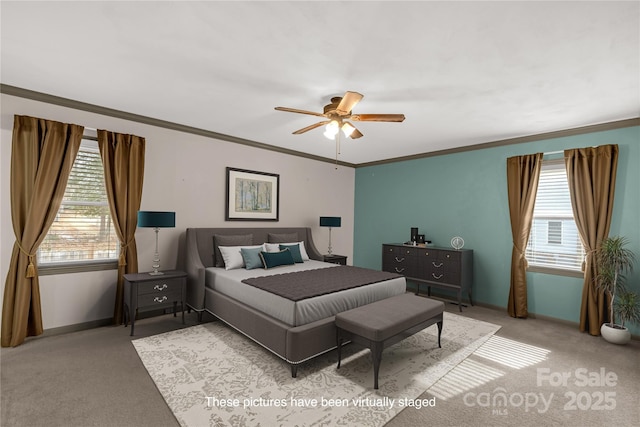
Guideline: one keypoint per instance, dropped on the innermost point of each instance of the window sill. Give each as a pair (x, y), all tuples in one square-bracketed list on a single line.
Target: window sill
[(555, 271), (79, 267)]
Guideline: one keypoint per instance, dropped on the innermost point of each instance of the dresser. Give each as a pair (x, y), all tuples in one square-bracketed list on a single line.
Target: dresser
[(443, 268), (143, 291)]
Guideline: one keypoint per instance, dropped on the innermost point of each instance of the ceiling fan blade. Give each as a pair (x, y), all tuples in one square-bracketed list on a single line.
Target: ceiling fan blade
[(295, 110), (377, 117), (308, 128), (349, 100)]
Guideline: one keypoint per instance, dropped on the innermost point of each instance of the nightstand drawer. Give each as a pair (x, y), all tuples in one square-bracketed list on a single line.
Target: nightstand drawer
[(159, 298), (159, 286)]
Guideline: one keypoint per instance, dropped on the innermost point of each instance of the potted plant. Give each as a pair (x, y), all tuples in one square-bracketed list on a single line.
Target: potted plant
[(613, 259)]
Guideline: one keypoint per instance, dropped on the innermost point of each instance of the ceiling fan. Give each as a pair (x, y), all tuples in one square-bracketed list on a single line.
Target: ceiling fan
[(337, 114)]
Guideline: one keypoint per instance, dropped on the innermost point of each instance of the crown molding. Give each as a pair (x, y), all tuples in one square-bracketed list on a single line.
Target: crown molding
[(97, 109), (92, 108), (519, 140)]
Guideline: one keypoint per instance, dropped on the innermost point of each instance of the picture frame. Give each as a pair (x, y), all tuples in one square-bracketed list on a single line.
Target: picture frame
[(252, 195)]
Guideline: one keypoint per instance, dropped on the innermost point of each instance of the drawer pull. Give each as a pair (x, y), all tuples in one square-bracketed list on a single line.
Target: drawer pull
[(163, 299), (436, 276), (399, 260), (159, 288), (399, 270), (437, 265)]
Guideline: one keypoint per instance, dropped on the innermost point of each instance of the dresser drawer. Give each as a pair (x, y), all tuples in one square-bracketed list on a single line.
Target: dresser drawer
[(160, 286), (397, 259)]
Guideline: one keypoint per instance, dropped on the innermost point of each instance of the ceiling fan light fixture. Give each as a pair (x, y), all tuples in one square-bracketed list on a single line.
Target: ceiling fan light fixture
[(347, 129), (332, 129)]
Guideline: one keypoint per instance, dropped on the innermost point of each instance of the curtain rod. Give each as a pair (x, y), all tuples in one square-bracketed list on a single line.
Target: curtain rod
[(553, 152)]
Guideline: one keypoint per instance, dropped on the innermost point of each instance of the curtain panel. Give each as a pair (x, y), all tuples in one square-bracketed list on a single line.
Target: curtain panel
[(123, 161), (42, 155), (591, 174), (523, 174)]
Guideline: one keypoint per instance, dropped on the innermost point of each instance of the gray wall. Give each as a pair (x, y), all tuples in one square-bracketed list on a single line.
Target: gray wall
[(184, 173)]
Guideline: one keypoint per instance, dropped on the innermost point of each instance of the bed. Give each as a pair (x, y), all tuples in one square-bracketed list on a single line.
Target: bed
[(294, 330)]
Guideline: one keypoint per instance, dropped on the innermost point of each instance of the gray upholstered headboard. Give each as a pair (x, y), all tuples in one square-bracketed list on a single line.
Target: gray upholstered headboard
[(199, 252), (204, 239)]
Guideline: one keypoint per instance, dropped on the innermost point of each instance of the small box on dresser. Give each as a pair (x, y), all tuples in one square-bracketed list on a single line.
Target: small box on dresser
[(143, 291), (443, 268)]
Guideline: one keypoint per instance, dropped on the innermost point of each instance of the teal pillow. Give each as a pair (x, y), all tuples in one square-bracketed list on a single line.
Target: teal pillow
[(295, 251), (251, 257), (274, 259)]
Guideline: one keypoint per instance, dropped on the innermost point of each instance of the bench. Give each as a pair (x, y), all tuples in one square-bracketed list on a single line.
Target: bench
[(383, 323)]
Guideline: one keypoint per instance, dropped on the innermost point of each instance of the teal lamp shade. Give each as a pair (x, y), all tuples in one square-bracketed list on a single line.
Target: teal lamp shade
[(151, 219), (330, 221)]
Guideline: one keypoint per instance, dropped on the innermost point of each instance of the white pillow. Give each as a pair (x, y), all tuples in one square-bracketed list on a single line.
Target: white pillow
[(233, 257), (275, 247)]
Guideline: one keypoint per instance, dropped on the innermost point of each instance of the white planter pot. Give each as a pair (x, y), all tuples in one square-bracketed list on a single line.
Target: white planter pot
[(617, 335)]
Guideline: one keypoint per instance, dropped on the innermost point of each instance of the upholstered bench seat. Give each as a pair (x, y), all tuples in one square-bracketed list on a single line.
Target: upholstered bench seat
[(386, 322)]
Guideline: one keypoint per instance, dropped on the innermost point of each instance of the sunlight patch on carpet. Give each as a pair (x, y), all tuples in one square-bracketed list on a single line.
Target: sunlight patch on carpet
[(511, 353)]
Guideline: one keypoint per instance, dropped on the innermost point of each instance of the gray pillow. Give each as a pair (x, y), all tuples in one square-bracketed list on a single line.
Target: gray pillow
[(230, 240), (283, 238)]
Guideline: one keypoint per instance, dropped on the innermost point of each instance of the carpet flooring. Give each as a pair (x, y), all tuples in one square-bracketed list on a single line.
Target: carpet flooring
[(96, 378)]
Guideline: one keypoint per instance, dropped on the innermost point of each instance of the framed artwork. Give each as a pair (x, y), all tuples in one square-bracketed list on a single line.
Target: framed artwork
[(252, 195)]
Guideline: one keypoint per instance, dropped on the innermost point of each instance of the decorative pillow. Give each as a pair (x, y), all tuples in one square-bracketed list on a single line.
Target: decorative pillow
[(295, 251), (251, 257), (283, 238), (232, 255), (230, 240), (275, 247), (274, 259)]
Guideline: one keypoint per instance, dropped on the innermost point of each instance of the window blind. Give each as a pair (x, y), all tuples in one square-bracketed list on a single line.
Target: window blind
[(82, 230), (554, 241)]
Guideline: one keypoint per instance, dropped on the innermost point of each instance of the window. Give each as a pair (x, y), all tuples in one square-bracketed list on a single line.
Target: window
[(82, 233), (554, 241)]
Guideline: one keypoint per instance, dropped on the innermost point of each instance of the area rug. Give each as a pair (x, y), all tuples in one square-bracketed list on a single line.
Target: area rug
[(211, 375)]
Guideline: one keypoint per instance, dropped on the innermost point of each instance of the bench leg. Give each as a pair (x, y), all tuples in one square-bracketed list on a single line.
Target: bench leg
[(294, 370), (376, 353), (339, 343), (439, 333)]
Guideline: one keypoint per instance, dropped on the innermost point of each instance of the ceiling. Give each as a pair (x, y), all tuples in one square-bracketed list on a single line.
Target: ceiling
[(463, 73)]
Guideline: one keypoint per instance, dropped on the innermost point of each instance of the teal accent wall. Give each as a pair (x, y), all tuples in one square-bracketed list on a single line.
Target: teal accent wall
[(465, 194)]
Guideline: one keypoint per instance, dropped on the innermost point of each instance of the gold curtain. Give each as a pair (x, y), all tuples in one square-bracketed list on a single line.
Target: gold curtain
[(591, 173), (123, 161), (42, 155), (523, 174)]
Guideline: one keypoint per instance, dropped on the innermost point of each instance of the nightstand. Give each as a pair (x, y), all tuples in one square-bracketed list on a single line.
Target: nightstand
[(335, 259), (143, 292)]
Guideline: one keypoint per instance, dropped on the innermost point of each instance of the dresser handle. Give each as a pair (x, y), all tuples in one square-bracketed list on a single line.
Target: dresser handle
[(436, 265), (438, 277), (163, 299), (399, 260), (399, 270), (158, 288)]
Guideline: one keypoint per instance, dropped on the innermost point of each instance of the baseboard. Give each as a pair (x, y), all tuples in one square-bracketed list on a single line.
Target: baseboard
[(504, 309), (99, 323)]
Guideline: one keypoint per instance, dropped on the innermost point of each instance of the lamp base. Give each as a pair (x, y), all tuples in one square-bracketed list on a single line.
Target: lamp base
[(156, 273)]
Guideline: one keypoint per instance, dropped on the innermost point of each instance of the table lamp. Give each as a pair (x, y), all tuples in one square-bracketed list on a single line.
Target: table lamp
[(157, 220), (330, 221)]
